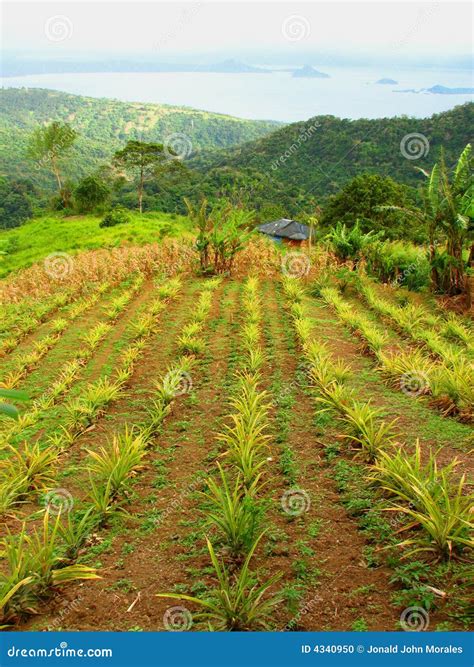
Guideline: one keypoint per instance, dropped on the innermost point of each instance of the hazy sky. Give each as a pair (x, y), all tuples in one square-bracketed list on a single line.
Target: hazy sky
[(166, 28)]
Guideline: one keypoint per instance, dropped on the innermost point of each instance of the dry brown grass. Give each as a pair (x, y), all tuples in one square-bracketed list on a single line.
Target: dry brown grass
[(167, 259)]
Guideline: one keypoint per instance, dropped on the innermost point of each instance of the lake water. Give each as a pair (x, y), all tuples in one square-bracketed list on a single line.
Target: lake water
[(349, 93)]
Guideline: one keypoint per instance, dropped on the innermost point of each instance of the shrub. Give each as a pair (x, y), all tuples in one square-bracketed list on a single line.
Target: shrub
[(399, 262), (15, 203), (349, 243), (90, 193), (117, 216), (222, 232)]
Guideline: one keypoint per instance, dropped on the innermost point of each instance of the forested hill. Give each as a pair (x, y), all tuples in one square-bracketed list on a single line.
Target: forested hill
[(323, 153), (105, 125), (278, 170)]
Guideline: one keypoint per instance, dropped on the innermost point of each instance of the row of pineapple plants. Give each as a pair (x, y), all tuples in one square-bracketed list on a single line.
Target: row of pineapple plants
[(27, 362), (19, 320), (412, 370), (413, 319), (410, 321), (111, 468), (71, 370), (232, 500), (19, 476), (436, 503), (46, 557)]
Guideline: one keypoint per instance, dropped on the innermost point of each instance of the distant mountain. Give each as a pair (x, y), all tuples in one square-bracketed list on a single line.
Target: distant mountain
[(387, 82), (25, 66), (307, 71), (232, 67), (317, 157), (105, 125)]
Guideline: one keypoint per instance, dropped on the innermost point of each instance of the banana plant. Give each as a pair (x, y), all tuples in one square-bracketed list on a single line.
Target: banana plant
[(10, 394), (446, 214)]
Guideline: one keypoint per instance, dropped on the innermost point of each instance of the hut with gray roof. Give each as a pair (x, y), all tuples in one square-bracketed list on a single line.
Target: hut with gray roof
[(286, 231)]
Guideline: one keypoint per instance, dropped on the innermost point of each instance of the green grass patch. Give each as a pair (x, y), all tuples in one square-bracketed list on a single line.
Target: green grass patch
[(44, 235)]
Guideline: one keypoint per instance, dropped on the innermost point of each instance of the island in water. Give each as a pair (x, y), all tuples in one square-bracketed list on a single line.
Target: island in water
[(387, 82), (308, 72), (439, 90)]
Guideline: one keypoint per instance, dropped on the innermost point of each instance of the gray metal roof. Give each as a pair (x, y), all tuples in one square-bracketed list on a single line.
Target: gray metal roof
[(284, 228)]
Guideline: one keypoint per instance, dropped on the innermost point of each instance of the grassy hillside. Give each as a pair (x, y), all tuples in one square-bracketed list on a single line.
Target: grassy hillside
[(106, 125), (322, 154), (48, 234)]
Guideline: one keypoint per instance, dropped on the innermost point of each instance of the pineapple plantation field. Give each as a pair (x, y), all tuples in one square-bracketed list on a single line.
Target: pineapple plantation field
[(255, 451)]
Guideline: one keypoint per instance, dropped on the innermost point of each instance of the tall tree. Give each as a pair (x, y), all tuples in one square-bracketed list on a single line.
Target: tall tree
[(49, 144), (373, 200), (447, 209), (141, 161)]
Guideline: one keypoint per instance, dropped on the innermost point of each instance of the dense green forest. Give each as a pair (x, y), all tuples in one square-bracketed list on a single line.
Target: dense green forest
[(298, 167), (323, 153), (104, 125)]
